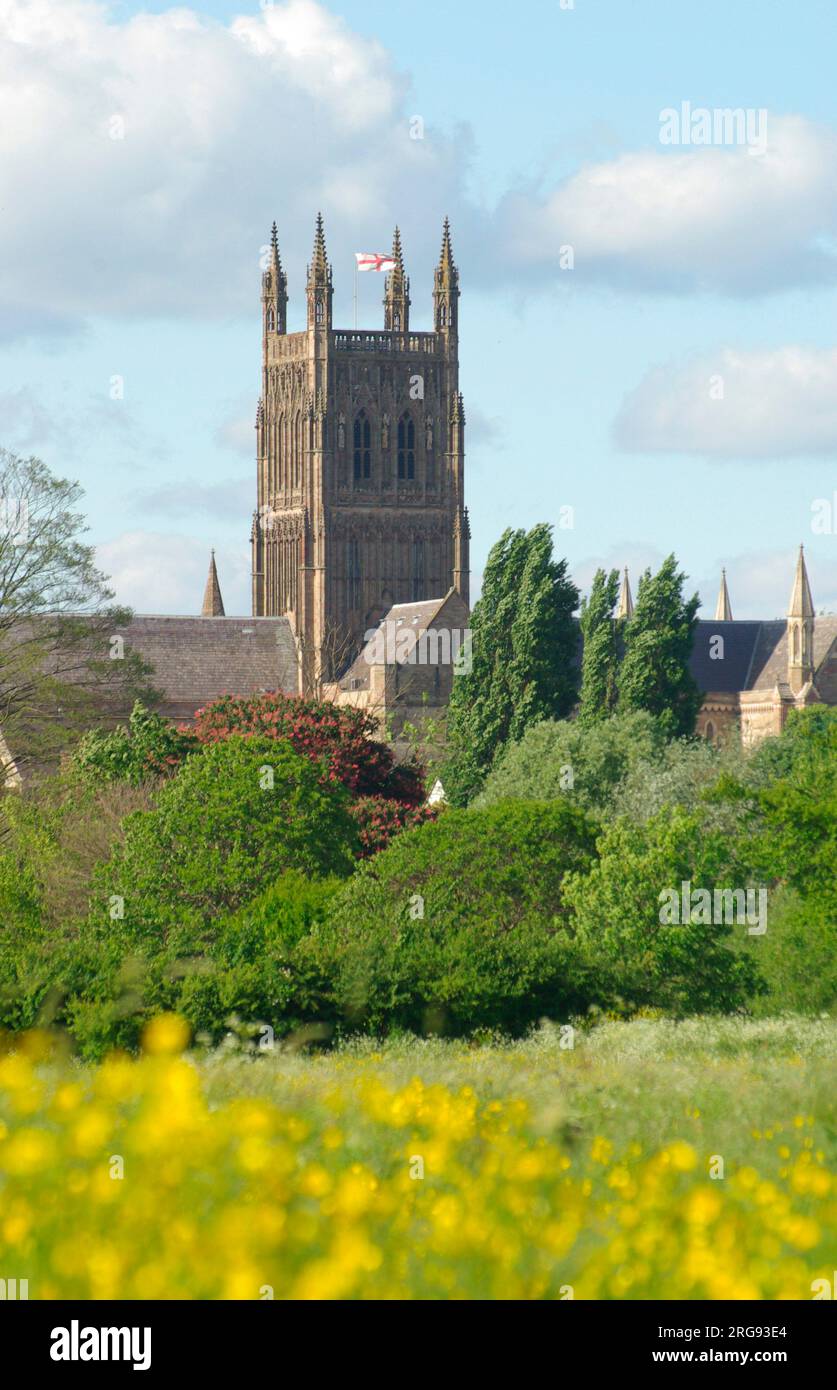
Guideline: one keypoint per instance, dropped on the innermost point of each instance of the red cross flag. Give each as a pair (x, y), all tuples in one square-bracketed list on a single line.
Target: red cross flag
[(374, 260)]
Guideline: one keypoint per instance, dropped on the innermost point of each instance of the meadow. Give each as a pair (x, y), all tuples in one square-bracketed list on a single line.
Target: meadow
[(628, 1160)]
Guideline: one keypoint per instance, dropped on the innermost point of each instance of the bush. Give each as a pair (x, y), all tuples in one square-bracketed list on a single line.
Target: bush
[(632, 958), (339, 739), (239, 813), (797, 956), (253, 969), (563, 758), (459, 924), (148, 747)]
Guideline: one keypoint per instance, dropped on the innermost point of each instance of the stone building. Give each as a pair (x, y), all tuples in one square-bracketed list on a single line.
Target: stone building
[(755, 672), (360, 462)]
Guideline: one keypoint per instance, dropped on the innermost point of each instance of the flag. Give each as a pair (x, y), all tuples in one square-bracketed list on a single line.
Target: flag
[(374, 260)]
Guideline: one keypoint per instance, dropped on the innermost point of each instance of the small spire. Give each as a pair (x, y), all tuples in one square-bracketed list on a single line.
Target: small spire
[(446, 257), (625, 606), (723, 608), (397, 291), (213, 604), (801, 604), (274, 241), (319, 259)]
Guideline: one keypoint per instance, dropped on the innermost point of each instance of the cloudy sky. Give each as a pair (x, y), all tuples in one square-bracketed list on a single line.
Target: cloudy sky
[(672, 379)]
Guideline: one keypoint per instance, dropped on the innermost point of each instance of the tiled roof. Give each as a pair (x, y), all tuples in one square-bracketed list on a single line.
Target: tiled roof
[(196, 660)]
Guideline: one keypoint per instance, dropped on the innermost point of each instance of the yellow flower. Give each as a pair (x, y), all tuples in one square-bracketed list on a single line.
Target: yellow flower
[(166, 1035)]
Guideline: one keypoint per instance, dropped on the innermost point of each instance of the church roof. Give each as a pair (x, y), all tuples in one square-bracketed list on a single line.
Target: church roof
[(755, 653), (197, 660), (416, 618), (732, 671)]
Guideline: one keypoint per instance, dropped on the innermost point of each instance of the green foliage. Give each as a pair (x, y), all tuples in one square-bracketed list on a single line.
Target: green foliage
[(56, 618), (460, 924), (585, 764), (654, 673), (797, 956), (684, 773), (149, 746), (599, 661), (238, 814), (524, 657), (634, 960)]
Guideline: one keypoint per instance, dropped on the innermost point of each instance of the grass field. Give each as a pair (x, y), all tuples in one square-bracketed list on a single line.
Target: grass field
[(430, 1169)]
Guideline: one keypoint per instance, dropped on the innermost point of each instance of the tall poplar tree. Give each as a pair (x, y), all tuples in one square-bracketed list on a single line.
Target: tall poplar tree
[(599, 629), (654, 673), (524, 657)]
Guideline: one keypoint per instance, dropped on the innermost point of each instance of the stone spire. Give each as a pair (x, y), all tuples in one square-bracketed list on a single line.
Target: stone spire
[(213, 604), (625, 606), (319, 287), (446, 288), (397, 292), (723, 608), (275, 289), (800, 628), (801, 604)]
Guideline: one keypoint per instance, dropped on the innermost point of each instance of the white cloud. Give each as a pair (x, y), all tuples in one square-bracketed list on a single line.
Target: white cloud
[(707, 219), (218, 129), (147, 158), (153, 572), (775, 404)]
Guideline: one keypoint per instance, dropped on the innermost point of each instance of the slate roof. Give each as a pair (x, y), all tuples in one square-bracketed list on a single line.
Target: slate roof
[(755, 653), (196, 660), (740, 642)]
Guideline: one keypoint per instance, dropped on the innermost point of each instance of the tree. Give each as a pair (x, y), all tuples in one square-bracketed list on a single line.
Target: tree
[(635, 957), (340, 739), (654, 673), (600, 657), (56, 618), (147, 747), (238, 814), (524, 647), (583, 764), (460, 924)]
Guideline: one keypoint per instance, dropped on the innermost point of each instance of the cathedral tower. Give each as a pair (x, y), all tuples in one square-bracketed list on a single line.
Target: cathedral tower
[(360, 460)]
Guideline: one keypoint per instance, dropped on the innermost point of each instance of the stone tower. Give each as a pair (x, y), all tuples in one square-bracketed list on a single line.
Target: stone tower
[(360, 457)]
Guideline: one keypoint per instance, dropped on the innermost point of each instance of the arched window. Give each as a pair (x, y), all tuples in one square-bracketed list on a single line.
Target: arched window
[(353, 574), (406, 447), (362, 446), (298, 447), (709, 731), (319, 313), (443, 315), (418, 569), (271, 320)]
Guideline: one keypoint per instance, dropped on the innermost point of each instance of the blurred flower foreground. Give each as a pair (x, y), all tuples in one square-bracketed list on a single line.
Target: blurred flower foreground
[(144, 1180)]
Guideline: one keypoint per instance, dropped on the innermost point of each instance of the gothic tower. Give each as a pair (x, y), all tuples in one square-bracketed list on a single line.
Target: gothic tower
[(360, 442)]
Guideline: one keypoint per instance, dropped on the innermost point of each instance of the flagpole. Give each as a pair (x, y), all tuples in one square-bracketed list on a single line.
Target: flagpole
[(355, 291)]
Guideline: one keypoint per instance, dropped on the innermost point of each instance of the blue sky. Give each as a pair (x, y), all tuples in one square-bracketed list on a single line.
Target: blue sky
[(595, 388)]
